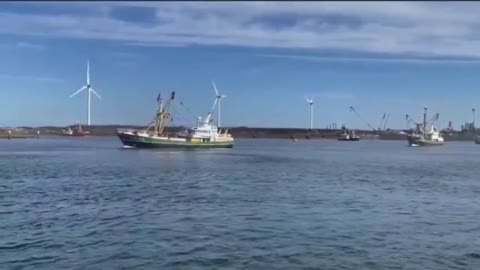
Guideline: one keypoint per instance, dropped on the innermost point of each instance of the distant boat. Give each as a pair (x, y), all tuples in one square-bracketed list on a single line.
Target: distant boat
[(348, 135), (426, 134), (77, 131), (477, 139)]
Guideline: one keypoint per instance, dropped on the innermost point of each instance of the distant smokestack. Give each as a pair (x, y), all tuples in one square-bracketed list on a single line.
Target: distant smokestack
[(473, 112)]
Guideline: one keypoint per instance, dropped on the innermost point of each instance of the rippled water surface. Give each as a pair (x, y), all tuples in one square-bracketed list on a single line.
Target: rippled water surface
[(266, 204)]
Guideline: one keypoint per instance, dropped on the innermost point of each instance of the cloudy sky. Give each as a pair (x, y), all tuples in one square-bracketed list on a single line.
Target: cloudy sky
[(266, 57)]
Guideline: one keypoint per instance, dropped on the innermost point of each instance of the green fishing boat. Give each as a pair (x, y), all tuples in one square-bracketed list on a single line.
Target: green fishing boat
[(203, 135)]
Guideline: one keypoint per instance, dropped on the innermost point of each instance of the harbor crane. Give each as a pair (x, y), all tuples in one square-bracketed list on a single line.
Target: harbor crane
[(383, 122)]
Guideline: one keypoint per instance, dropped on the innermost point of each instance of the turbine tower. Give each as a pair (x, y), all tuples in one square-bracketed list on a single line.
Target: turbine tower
[(90, 90), (219, 98), (310, 102)]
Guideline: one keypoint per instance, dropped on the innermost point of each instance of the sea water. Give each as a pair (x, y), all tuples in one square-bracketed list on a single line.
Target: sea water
[(88, 203)]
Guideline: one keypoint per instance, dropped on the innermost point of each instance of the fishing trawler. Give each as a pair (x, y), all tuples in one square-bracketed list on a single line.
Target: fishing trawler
[(203, 135), (348, 135), (77, 131), (425, 134)]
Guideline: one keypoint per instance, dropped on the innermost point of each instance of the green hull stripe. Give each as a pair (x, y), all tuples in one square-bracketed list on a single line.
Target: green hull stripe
[(153, 143)]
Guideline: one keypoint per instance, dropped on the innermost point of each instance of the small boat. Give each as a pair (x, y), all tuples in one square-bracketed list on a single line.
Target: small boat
[(426, 134), (203, 135), (77, 131), (348, 135), (477, 139)]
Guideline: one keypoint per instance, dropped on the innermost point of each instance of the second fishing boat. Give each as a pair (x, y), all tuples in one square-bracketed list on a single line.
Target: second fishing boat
[(425, 133)]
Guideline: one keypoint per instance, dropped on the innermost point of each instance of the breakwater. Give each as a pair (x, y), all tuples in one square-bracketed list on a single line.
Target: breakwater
[(237, 132)]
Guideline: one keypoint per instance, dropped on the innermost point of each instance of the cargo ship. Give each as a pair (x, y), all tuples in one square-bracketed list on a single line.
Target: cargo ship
[(203, 135)]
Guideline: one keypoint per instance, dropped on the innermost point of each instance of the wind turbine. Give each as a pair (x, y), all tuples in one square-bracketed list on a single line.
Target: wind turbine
[(90, 90), (310, 102), (219, 98)]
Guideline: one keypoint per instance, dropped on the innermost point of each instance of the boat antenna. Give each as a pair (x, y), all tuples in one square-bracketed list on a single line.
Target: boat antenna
[(425, 117)]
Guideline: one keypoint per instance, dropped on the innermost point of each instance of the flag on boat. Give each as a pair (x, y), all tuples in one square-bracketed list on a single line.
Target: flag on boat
[(159, 97)]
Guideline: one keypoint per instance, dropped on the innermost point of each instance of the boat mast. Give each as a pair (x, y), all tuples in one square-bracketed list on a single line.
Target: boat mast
[(160, 103), (162, 114), (425, 119)]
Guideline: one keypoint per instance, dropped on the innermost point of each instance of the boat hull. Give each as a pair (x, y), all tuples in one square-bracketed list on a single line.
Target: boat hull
[(75, 135), (151, 142), (349, 139), (417, 141)]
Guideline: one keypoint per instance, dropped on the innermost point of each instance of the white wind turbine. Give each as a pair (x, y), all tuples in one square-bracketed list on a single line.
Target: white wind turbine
[(310, 102), (219, 98), (90, 90)]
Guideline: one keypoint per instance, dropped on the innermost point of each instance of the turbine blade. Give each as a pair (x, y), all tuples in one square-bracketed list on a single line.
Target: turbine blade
[(78, 91), (95, 93), (215, 88), (88, 72)]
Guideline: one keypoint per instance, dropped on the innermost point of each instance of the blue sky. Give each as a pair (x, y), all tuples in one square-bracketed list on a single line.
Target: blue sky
[(266, 57)]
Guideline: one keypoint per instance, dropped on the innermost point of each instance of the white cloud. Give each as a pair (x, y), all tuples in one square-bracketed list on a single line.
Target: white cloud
[(22, 45), (28, 45), (398, 28), (333, 95), (30, 78), (126, 55), (371, 59)]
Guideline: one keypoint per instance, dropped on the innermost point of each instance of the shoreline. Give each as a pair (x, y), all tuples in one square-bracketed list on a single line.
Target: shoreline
[(237, 132)]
